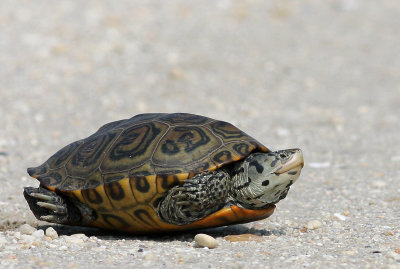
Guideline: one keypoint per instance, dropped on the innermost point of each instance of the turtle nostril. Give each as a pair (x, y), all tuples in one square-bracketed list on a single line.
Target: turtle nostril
[(283, 155)]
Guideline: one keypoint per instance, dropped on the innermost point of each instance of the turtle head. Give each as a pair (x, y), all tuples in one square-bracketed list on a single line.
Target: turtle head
[(268, 178)]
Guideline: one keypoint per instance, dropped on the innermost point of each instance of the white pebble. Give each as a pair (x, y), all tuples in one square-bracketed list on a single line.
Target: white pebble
[(50, 232), (313, 224), (51, 246), (82, 236), (3, 242), (339, 216), (26, 229), (379, 183), (38, 234), (17, 235), (204, 240), (76, 239)]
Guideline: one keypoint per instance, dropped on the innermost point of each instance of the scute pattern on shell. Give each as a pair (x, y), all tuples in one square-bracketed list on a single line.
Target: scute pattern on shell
[(147, 144)]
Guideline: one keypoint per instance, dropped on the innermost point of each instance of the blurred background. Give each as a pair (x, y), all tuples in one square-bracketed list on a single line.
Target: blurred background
[(319, 75)]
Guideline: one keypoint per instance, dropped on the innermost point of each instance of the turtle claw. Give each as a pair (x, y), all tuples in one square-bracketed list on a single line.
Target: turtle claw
[(48, 198), (50, 218), (47, 205), (40, 196), (57, 209)]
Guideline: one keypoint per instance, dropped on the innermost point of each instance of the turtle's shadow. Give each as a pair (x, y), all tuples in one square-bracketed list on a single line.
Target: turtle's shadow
[(163, 237)]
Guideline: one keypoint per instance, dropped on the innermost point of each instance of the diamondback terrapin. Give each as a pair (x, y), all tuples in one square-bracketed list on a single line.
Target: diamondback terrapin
[(162, 172)]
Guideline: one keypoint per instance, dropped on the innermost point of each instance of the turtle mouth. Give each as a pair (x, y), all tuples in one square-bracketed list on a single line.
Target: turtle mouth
[(295, 161)]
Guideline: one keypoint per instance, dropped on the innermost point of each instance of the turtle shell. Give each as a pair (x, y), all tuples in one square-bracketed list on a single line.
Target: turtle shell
[(124, 169)]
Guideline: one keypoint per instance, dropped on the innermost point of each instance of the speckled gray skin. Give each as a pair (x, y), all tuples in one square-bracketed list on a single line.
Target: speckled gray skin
[(319, 75), (258, 181), (265, 178)]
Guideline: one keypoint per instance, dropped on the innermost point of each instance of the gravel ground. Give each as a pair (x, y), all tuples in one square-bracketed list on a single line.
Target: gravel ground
[(319, 75)]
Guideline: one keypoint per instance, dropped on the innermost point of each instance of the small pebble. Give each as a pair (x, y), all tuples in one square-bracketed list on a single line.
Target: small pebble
[(51, 246), (26, 229), (50, 232), (379, 183), (17, 235), (336, 225), (74, 240), (243, 237), (83, 236), (38, 234), (388, 233), (3, 242), (350, 252), (313, 224), (204, 240), (339, 216)]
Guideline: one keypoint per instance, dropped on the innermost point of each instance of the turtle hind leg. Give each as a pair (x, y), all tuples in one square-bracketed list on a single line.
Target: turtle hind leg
[(48, 206), (197, 198)]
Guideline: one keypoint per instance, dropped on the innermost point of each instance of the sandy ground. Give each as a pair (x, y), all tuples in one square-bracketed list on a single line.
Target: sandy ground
[(319, 75)]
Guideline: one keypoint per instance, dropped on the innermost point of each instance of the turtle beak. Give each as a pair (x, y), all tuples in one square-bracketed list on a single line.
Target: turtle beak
[(294, 160)]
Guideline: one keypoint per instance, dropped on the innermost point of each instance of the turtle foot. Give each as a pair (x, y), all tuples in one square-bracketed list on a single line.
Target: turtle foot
[(46, 205), (197, 198)]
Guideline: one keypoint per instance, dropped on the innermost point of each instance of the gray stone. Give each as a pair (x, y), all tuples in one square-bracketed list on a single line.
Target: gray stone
[(26, 229), (204, 240), (76, 239), (3, 241), (50, 232), (39, 234)]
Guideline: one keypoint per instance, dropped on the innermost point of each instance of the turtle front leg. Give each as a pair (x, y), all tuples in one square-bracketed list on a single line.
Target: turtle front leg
[(198, 197), (48, 206)]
